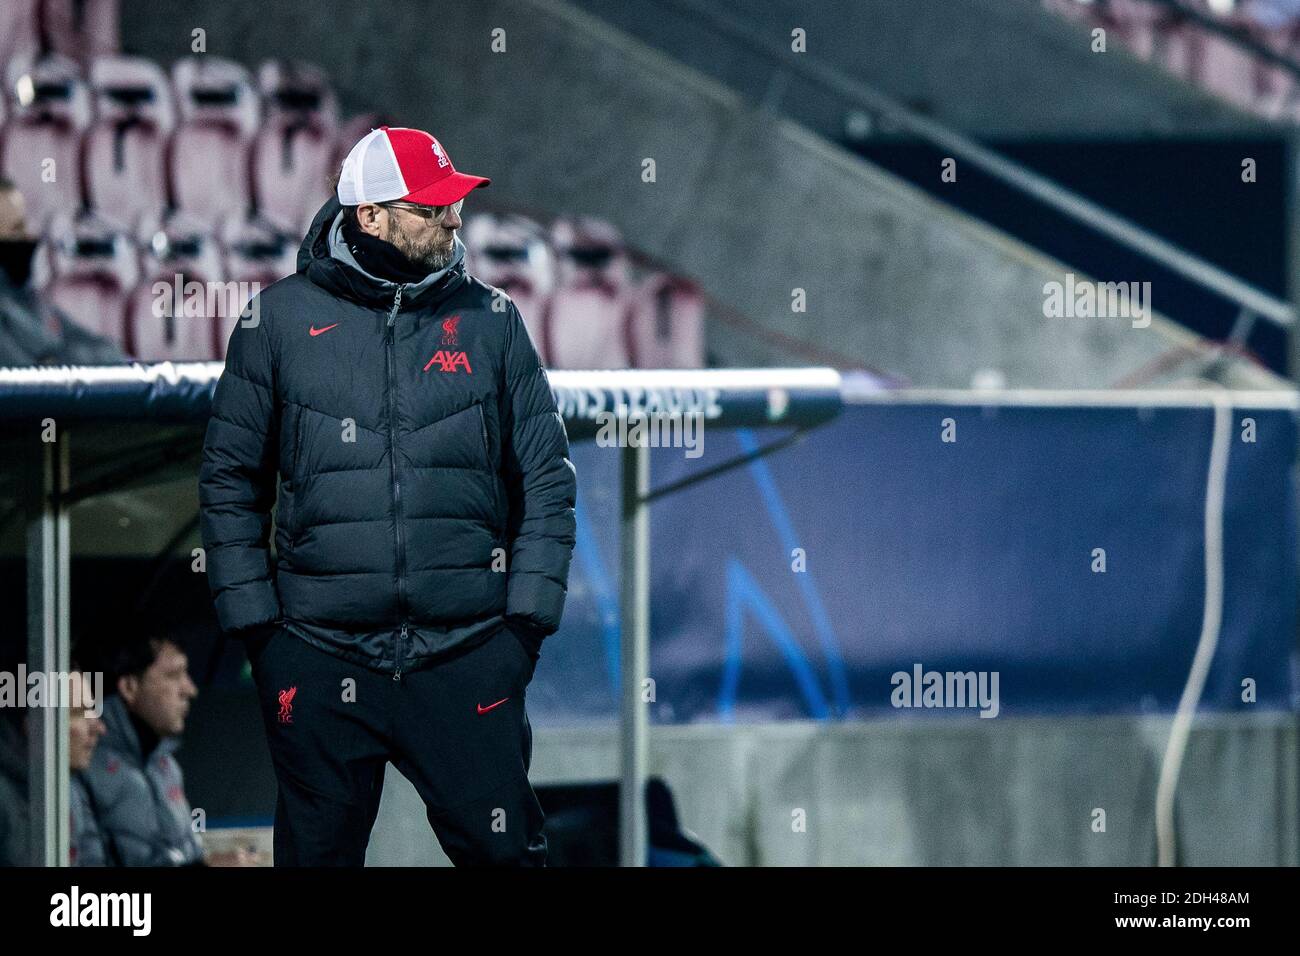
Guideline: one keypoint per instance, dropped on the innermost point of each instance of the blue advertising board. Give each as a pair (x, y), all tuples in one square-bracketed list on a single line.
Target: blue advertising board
[(1057, 550)]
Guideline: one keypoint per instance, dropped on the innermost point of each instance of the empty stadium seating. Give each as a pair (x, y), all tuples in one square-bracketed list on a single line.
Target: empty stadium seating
[(257, 253), (82, 29), (667, 323), (94, 268), (40, 146), (19, 29), (125, 152), (141, 180), (1279, 92), (257, 250), (174, 310), (208, 159), (1177, 43), (294, 152), (510, 252), (586, 322)]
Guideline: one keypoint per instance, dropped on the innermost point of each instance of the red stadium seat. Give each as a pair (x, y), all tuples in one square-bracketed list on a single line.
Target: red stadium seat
[(1136, 24), (176, 310), (1222, 67), (81, 29), (258, 250), (1279, 90), (510, 252), (125, 153), (293, 154), (667, 323), (1072, 9), (295, 90), (587, 323), (1176, 47), (1149, 30), (208, 161), (19, 30), (49, 117), (93, 267), (257, 253)]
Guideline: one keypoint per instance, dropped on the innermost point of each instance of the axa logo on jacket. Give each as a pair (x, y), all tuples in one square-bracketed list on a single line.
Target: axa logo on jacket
[(449, 361)]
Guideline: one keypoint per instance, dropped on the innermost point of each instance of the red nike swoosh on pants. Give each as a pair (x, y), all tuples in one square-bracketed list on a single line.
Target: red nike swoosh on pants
[(315, 331), (484, 710)]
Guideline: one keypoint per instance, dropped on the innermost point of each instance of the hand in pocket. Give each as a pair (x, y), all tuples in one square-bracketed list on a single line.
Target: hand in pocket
[(256, 643), (526, 645)]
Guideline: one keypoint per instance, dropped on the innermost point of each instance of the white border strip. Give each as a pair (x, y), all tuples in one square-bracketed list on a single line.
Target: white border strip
[(727, 378), (131, 374), (1078, 398)]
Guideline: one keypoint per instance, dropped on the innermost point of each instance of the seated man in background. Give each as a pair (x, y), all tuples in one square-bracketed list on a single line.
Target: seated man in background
[(84, 730), (14, 846), (32, 332), (134, 781)]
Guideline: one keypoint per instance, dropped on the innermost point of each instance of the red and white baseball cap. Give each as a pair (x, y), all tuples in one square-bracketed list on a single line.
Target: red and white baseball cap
[(392, 163)]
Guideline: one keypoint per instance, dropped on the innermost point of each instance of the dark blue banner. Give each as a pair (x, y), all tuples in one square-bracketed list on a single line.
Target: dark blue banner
[(1051, 558)]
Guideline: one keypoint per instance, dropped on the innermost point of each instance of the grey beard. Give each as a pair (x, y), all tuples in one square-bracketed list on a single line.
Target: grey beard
[(433, 261), (438, 260)]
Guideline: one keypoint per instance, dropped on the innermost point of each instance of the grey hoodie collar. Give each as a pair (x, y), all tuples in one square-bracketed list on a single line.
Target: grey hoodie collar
[(339, 250), (121, 736)]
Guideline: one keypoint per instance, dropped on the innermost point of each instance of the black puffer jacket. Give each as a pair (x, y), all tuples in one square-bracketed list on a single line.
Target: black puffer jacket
[(425, 494)]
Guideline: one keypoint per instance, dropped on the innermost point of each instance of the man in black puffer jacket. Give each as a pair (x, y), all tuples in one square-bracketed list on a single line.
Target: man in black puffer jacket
[(395, 410)]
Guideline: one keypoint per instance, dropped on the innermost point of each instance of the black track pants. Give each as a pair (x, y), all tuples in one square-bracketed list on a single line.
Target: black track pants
[(457, 730)]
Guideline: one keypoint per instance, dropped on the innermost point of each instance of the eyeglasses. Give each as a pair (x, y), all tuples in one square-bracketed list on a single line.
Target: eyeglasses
[(436, 213)]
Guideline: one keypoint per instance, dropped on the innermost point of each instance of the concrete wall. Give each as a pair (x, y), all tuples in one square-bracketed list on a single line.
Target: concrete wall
[(935, 792), (752, 206)]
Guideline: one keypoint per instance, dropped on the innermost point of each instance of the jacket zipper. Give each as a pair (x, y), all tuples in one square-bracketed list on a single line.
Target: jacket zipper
[(401, 642), (487, 456), (293, 477), (482, 424), (397, 486)]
